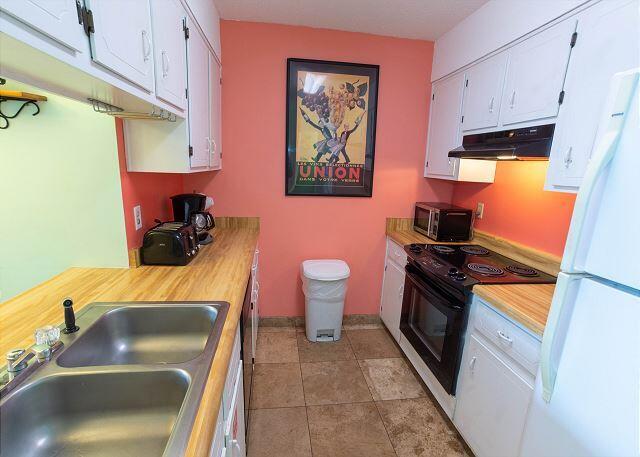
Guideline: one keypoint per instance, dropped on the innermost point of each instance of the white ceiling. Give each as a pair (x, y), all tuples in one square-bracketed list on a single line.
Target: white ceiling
[(420, 19)]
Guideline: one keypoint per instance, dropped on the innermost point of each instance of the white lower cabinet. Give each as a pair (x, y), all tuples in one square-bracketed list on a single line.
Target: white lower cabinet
[(495, 383), (229, 438), (492, 402), (393, 288), (255, 300)]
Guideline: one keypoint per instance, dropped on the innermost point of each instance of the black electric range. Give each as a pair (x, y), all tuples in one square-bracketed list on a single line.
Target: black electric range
[(465, 265), (437, 291)]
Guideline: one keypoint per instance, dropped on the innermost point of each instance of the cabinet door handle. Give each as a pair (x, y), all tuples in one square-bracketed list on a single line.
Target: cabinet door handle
[(146, 45), (165, 64), (513, 99), (401, 291), (472, 363), (504, 337), (491, 104), (214, 146), (568, 159)]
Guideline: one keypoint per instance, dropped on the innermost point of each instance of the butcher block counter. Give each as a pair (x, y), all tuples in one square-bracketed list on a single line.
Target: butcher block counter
[(527, 304), (220, 272)]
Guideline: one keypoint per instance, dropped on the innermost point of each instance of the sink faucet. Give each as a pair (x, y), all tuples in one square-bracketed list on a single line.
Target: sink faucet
[(20, 361)]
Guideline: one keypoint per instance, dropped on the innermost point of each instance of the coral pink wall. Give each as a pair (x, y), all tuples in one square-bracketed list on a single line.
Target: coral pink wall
[(252, 180), (518, 209), (149, 190)]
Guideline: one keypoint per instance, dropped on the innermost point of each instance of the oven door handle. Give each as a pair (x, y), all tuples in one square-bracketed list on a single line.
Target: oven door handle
[(426, 289)]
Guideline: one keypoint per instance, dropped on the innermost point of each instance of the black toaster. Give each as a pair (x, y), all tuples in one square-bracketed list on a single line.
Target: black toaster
[(169, 243)]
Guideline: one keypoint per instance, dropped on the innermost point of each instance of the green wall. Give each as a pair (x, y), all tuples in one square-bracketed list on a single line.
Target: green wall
[(60, 193)]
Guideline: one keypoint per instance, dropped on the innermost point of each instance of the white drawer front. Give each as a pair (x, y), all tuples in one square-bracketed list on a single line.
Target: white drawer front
[(396, 253), (511, 340)]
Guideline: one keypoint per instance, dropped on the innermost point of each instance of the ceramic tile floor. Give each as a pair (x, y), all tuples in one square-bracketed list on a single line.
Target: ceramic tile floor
[(357, 397)]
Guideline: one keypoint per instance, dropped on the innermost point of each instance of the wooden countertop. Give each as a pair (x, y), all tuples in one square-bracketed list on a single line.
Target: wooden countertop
[(527, 304), (220, 272)]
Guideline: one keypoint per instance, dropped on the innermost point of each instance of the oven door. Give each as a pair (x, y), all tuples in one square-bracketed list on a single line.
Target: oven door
[(433, 322)]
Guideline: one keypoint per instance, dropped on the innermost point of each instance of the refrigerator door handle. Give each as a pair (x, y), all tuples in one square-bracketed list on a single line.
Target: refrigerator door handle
[(556, 329), (620, 95)]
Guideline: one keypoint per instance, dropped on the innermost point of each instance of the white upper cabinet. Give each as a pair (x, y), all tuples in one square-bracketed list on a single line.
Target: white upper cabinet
[(199, 112), (535, 75), (215, 112), (209, 21), (58, 19), (483, 93), (445, 134), (444, 126), (170, 51), (605, 45), (121, 40)]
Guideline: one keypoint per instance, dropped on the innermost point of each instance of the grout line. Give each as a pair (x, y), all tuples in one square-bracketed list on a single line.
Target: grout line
[(385, 428)]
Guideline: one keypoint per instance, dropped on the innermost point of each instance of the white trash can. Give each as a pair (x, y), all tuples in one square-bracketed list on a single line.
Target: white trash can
[(324, 283)]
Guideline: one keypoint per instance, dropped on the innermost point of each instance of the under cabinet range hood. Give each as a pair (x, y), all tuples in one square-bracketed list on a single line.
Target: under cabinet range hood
[(530, 143)]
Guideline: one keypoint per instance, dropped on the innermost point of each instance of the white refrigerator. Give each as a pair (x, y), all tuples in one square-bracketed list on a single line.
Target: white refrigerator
[(587, 395)]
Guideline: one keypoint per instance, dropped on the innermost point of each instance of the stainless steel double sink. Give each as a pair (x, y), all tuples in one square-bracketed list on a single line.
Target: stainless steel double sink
[(128, 383)]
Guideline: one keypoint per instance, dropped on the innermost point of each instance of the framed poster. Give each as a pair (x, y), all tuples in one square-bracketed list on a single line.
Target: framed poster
[(331, 128)]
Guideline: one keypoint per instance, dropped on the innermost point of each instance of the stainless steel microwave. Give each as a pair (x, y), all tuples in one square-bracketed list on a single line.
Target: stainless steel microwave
[(443, 221)]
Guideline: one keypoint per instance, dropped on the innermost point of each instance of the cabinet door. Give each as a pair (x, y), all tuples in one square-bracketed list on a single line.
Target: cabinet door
[(492, 403), (483, 93), (199, 120), (235, 430), (57, 19), (215, 106), (535, 75), (603, 48), (255, 299), (170, 51), (444, 126), (217, 445), (391, 301), (121, 40)]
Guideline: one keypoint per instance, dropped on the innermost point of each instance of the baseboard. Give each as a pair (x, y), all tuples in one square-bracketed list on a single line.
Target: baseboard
[(298, 321)]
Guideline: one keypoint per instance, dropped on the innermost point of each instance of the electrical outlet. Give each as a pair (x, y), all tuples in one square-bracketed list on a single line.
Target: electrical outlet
[(137, 217), (479, 210)]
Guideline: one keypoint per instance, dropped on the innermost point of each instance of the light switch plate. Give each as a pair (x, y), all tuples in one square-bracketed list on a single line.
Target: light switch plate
[(137, 217), (479, 210)]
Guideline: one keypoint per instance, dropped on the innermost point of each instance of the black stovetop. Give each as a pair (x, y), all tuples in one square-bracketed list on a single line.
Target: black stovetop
[(465, 265)]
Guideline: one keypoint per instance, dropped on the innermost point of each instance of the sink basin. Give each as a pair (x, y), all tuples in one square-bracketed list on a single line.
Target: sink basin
[(98, 414), (128, 383), (143, 335)]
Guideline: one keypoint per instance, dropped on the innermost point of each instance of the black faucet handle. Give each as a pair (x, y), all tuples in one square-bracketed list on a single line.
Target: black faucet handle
[(69, 317)]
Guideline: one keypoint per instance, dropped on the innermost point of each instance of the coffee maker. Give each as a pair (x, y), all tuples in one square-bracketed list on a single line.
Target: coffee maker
[(192, 209)]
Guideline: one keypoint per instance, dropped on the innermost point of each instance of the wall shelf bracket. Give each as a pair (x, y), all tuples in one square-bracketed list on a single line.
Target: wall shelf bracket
[(27, 99)]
